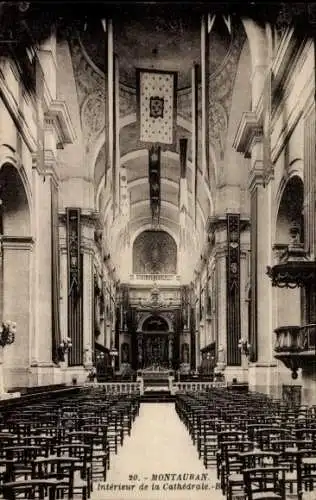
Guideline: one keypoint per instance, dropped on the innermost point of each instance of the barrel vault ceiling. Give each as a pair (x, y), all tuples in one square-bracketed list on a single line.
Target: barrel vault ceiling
[(157, 39)]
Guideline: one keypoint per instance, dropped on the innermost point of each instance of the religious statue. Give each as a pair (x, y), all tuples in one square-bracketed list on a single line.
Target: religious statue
[(87, 356), (221, 354), (221, 363), (125, 353)]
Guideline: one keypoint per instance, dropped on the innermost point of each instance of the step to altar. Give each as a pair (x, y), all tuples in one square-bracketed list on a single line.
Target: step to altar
[(157, 397)]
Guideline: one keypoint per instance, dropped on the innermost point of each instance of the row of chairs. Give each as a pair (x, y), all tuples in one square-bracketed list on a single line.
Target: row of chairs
[(57, 448), (260, 448)]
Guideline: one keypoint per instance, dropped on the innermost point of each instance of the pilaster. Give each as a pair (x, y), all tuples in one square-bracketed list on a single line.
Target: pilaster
[(88, 224), (249, 141), (17, 300)]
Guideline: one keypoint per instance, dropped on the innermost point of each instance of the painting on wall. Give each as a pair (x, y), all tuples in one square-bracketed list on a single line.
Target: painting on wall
[(154, 252)]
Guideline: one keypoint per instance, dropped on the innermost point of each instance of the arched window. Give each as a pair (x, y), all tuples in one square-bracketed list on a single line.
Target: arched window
[(154, 252)]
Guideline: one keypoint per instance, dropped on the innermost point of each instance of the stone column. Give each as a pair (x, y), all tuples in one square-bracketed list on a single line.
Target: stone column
[(259, 50), (2, 390), (140, 350), (88, 283), (185, 340), (42, 370), (63, 285), (170, 349), (261, 372), (197, 350), (125, 352), (17, 307), (221, 253)]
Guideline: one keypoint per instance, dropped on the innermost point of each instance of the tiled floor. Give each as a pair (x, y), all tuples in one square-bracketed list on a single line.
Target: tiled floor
[(158, 461)]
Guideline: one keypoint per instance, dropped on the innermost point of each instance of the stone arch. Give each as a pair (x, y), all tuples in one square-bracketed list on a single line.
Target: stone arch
[(296, 168), (148, 226), (10, 165), (146, 316), (15, 202), (155, 322), (16, 265), (289, 227), (290, 203)]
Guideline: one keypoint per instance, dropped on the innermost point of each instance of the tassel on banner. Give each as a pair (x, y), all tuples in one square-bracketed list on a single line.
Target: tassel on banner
[(104, 25), (227, 21), (210, 22)]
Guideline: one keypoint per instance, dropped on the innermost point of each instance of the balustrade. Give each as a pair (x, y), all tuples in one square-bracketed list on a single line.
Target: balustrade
[(178, 387), (155, 277), (117, 387)]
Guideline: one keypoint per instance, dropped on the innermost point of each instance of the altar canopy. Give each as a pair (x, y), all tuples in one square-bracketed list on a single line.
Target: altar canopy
[(156, 92)]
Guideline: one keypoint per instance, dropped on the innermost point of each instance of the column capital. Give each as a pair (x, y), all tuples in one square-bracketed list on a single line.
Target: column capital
[(257, 176), (90, 218), (49, 168), (219, 222), (221, 250)]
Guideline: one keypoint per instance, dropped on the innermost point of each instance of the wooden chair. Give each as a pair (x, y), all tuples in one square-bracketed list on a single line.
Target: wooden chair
[(30, 489), (265, 483), (63, 469)]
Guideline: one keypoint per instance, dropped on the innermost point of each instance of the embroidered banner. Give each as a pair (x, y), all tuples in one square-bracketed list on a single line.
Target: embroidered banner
[(233, 289), (56, 337), (154, 183), (156, 93), (75, 285), (73, 247)]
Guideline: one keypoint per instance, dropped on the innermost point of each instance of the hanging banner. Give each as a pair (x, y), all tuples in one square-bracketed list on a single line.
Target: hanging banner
[(156, 106), (73, 250), (154, 183), (233, 289), (183, 157)]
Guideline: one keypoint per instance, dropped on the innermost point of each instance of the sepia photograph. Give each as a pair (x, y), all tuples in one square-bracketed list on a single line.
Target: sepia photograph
[(157, 250)]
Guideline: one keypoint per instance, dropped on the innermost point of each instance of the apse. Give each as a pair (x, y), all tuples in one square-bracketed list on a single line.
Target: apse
[(154, 252)]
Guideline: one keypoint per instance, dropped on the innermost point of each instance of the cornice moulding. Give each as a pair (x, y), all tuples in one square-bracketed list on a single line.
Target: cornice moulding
[(256, 176), (17, 242), (59, 114), (16, 114), (86, 217), (249, 128), (215, 222)]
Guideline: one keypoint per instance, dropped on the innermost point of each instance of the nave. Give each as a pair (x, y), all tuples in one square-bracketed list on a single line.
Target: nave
[(160, 446), (219, 444)]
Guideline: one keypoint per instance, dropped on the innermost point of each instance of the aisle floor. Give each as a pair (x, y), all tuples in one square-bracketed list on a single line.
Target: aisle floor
[(158, 454)]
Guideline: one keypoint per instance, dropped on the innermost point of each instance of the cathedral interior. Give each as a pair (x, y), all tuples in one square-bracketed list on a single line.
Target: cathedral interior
[(157, 201)]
